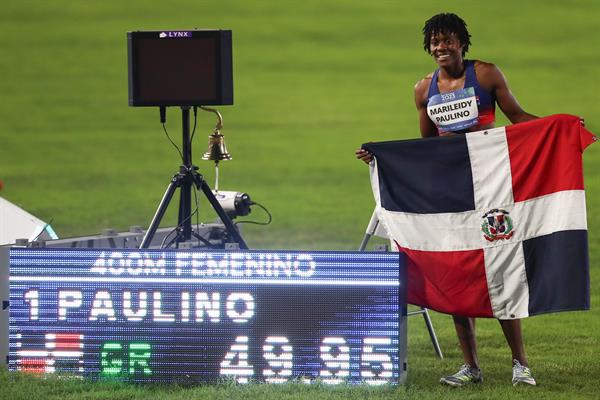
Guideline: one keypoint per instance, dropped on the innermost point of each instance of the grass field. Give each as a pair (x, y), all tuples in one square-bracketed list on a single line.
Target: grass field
[(313, 80)]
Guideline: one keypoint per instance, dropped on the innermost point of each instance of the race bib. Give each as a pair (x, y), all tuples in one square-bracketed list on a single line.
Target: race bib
[(454, 111)]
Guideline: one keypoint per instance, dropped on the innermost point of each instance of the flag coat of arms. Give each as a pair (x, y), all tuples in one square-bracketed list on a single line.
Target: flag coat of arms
[(493, 223)]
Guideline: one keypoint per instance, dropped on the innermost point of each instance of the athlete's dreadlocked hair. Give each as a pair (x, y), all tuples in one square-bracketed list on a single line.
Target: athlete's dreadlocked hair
[(446, 23)]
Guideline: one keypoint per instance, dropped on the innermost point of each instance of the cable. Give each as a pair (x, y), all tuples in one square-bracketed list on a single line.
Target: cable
[(197, 208), (196, 235), (195, 122), (177, 227), (172, 142), (257, 222), (195, 108), (162, 244)]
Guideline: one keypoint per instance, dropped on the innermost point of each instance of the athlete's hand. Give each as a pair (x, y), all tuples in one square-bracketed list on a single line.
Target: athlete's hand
[(364, 155)]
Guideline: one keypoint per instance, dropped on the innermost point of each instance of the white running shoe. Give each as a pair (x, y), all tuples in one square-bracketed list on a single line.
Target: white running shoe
[(464, 376), (522, 374)]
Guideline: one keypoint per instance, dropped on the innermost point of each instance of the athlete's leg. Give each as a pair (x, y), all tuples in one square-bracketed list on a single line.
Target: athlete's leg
[(512, 333), (470, 372), (465, 330)]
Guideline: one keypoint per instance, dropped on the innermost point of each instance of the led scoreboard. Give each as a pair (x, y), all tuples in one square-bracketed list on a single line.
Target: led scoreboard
[(202, 316)]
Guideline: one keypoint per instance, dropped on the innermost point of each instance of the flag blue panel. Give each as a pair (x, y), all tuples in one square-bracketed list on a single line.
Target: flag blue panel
[(425, 176), (561, 257)]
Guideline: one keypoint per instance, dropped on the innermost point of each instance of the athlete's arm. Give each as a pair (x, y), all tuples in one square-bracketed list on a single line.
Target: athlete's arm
[(427, 126), (509, 105)]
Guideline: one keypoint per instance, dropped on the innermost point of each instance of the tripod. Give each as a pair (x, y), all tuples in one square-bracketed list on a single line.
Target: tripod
[(184, 179)]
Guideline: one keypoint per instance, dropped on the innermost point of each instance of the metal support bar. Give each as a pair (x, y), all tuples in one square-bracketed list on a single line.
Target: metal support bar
[(429, 324), (371, 231)]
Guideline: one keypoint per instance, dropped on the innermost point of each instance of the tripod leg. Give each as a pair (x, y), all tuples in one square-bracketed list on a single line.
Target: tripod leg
[(370, 231), (231, 229), (160, 212), (432, 335), (365, 241)]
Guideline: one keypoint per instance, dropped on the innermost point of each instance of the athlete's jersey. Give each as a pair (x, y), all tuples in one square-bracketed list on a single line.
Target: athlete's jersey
[(461, 109)]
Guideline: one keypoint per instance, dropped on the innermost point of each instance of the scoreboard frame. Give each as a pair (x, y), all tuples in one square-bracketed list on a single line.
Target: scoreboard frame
[(204, 316)]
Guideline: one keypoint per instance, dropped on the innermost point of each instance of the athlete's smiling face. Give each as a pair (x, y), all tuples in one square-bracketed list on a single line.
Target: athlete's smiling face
[(446, 49)]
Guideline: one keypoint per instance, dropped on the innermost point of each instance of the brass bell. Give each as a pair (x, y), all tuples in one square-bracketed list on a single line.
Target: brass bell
[(217, 150)]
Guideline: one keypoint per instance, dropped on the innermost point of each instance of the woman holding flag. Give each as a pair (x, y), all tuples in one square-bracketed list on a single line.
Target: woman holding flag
[(460, 96)]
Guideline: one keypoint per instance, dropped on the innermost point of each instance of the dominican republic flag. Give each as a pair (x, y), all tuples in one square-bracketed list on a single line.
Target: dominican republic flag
[(493, 223)]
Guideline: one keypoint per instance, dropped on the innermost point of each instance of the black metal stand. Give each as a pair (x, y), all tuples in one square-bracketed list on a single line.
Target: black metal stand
[(184, 179)]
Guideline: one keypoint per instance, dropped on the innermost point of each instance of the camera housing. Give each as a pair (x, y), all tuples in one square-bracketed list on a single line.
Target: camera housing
[(235, 204)]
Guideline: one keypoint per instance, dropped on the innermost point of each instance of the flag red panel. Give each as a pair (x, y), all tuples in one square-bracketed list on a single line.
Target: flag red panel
[(451, 282), (538, 160)]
